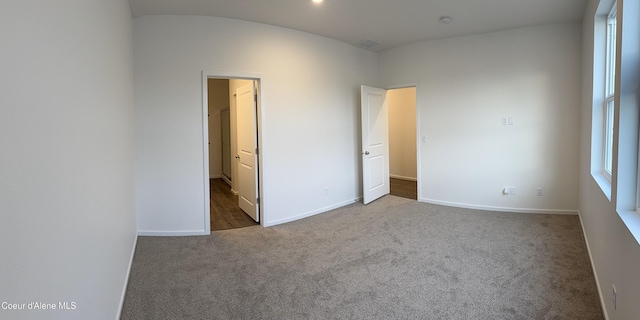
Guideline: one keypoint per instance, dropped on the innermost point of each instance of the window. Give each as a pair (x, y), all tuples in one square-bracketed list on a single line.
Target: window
[(610, 76)]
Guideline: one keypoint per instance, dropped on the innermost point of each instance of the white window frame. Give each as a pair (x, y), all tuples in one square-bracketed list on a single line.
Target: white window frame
[(609, 101)]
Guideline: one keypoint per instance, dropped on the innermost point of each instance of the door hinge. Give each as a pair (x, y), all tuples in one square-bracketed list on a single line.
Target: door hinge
[(257, 150), (257, 200), (255, 97)]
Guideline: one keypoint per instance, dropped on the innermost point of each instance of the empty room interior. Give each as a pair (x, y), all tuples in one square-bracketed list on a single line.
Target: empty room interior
[(384, 160)]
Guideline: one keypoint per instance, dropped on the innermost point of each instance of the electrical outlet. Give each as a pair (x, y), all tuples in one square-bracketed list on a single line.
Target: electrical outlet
[(505, 121), (614, 298), (326, 191), (539, 191)]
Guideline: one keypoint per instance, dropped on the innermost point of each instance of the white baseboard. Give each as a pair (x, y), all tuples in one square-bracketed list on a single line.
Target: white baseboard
[(215, 177), (311, 213), (593, 267), (126, 279), (164, 233), (226, 180), (502, 209), (403, 177), (235, 193)]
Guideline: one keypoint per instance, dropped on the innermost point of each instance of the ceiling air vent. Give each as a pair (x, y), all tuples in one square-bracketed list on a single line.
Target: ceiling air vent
[(367, 43)]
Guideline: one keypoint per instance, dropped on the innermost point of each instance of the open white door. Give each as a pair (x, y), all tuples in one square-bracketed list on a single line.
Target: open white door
[(375, 143), (247, 143)]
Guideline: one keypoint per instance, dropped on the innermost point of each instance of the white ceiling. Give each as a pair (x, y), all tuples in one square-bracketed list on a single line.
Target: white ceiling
[(392, 23)]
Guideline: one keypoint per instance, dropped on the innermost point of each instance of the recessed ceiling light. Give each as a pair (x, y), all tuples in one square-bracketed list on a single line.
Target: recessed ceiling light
[(317, 1), (446, 19)]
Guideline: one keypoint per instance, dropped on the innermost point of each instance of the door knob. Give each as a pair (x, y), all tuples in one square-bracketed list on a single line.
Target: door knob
[(366, 153)]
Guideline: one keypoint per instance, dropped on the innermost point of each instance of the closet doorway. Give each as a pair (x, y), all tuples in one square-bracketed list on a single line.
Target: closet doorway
[(403, 165)]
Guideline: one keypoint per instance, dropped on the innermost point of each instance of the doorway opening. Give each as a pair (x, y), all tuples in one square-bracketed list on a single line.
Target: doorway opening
[(403, 167), (233, 162), (389, 148)]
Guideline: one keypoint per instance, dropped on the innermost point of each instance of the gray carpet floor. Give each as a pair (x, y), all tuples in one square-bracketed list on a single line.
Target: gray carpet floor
[(392, 259)]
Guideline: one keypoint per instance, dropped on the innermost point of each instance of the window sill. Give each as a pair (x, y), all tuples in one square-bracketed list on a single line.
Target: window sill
[(632, 220), (603, 183)]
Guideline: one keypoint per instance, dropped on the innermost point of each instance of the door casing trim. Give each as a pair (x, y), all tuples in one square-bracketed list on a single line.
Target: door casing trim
[(260, 84)]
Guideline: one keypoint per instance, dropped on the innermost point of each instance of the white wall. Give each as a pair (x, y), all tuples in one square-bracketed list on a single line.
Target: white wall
[(466, 85), (67, 229), (402, 133), (615, 253), (310, 115), (218, 98)]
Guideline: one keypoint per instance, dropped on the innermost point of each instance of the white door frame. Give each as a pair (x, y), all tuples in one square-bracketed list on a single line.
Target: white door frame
[(418, 135), (208, 74)]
